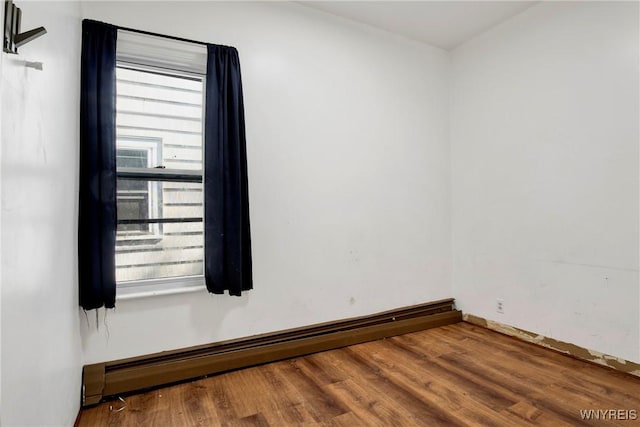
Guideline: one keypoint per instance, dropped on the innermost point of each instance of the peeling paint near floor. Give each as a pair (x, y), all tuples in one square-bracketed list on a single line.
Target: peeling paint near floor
[(561, 346)]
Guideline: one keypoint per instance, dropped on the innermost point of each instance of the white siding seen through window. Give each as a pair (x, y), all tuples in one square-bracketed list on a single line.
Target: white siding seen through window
[(159, 128)]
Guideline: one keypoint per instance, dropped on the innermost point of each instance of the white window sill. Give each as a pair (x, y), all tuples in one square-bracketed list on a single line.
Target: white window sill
[(151, 288)]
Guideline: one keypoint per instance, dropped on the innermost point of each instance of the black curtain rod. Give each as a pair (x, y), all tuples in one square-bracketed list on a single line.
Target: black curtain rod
[(149, 33)]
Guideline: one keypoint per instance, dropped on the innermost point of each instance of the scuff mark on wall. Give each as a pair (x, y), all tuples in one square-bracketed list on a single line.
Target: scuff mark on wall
[(560, 346)]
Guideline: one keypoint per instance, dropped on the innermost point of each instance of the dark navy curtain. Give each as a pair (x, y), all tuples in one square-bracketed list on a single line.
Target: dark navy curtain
[(97, 207), (226, 202)]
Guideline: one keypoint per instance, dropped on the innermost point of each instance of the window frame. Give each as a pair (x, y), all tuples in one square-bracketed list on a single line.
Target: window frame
[(174, 284)]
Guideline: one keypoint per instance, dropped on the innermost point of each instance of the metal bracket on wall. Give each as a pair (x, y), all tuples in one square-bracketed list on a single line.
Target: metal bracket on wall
[(13, 38)]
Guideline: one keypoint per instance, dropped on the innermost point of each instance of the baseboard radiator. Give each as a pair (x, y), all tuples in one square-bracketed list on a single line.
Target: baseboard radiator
[(108, 379)]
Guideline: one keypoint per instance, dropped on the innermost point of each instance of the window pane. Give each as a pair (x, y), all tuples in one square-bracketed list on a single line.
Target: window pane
[(145, 251), (134, 205), (159, 124), (167, 109), (179, 252), (132, 158)]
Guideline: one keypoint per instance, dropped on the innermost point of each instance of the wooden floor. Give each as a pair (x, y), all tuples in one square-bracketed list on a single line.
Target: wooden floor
[(457, 375)]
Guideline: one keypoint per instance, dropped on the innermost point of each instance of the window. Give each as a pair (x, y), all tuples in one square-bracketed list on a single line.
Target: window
[(134, 196), (159, 152), (143, 167)]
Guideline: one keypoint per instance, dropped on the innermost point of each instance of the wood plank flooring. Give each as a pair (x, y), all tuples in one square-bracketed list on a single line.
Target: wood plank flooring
[(456, 375)]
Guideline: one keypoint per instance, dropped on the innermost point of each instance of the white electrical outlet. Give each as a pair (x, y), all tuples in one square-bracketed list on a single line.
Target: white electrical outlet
[(500, 305)]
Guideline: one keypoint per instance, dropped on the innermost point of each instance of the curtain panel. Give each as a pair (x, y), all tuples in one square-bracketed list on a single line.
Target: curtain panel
[(228, 264), (97, 200)]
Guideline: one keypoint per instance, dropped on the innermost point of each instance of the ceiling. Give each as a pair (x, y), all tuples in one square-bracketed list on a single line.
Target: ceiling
[(445, 24)]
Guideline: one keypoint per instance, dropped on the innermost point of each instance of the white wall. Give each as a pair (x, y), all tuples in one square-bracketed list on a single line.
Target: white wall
[(544, 134), (41, 350), (348, 175)]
